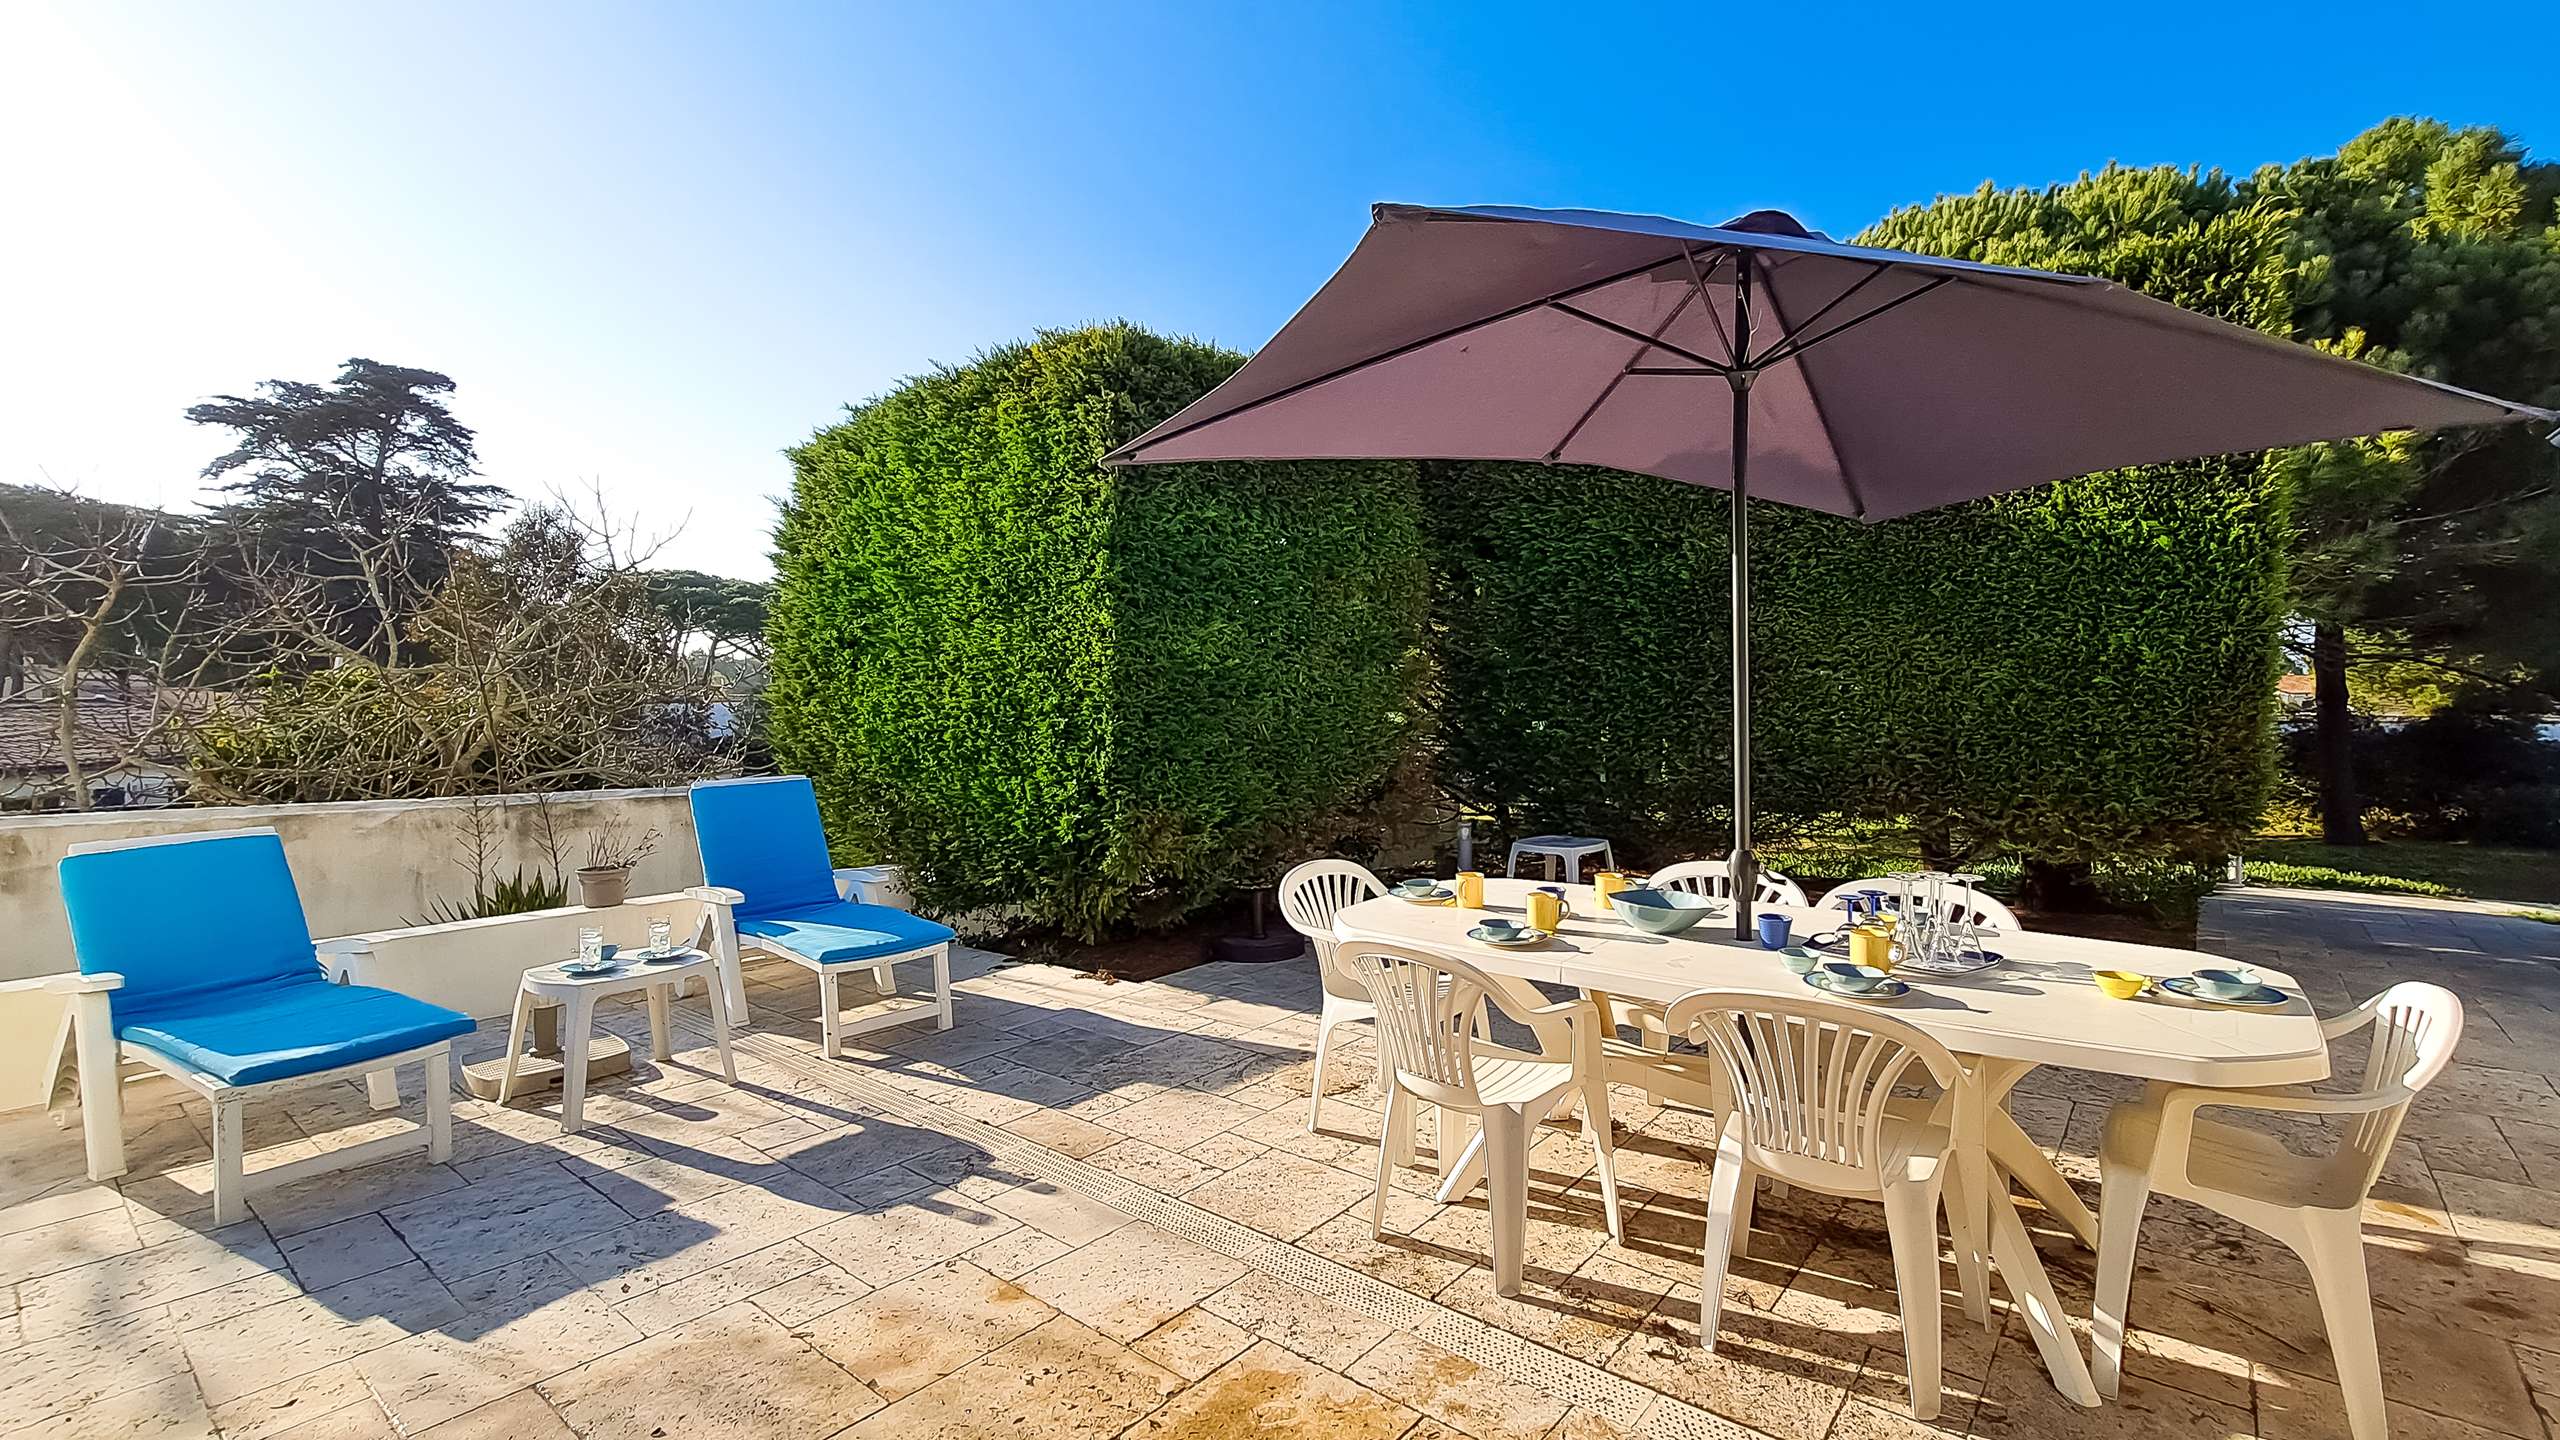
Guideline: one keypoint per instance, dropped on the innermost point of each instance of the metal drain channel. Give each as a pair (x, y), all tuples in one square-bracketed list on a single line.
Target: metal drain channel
[(1620, 1401)]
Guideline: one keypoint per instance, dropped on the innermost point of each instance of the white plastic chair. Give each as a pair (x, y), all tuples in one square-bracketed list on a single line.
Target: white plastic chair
[(1714, 878), (1310, 896), (1984, 911), (1811, 1085), (2314, 1205), (1430, 1013)]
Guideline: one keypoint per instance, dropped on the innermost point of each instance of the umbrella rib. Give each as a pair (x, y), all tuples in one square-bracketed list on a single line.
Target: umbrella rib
[(1813, 392), (1789, 349), (1649, 342), (1623, 372), (1126, 453)]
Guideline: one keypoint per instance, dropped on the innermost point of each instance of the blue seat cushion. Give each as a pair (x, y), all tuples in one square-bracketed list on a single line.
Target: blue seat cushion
[(279, 1032), (844, 932)]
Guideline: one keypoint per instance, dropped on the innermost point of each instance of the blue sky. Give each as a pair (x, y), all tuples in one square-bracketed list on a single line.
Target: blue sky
[(657, 243)]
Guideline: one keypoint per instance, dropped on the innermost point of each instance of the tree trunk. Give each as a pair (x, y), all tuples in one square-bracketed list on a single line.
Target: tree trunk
[(2341, 813)]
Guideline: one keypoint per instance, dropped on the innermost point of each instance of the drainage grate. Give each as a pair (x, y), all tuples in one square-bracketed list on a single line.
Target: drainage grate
[(1614, 1398)]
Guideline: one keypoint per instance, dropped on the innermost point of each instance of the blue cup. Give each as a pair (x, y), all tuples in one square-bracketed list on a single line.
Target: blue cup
[(1774, 931)]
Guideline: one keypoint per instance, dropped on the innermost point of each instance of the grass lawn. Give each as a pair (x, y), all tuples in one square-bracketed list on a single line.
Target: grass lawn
[(2409, 867)]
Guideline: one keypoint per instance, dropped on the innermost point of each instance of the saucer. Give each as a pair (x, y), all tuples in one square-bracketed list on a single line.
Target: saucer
[(1440, 895), (670, 956), (2184, 987), (1515, 940), (1884, 994), (587, 969)]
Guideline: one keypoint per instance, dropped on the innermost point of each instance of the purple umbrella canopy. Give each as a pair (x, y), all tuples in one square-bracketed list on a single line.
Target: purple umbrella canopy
[(1762, 358), (1884, 382)]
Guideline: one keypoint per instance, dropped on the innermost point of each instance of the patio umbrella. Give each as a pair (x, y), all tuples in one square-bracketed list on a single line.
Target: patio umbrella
[(1765, 359)]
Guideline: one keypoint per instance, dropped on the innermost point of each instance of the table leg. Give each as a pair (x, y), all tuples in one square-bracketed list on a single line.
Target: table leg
[(581, 1016), (2023, 1272), (1973, 1171), (2016, 1152), (515, 1046), (659, 1049), (1467, 1171)]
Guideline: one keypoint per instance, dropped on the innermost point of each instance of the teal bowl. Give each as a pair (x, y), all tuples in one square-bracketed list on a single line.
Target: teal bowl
[(1661, 912)]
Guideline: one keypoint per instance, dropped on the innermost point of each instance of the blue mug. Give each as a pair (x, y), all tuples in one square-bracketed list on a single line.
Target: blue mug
[(1774, 931)]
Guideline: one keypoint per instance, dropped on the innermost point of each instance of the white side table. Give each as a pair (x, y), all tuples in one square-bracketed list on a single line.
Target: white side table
[(1571, 849), (577, 995)]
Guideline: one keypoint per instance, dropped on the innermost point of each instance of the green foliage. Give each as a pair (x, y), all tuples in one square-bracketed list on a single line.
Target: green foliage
[(1101, 696), (517, 894), (2409, 867), (2077, 673)]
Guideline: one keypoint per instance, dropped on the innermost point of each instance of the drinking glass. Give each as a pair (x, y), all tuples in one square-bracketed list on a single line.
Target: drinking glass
[(590, 943), (661, 935)]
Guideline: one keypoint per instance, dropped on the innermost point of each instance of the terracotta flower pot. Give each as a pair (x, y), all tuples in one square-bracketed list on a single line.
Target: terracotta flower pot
[(601, 887)]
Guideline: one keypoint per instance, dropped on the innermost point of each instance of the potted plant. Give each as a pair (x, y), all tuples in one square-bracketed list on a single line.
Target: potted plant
[(612, 854)]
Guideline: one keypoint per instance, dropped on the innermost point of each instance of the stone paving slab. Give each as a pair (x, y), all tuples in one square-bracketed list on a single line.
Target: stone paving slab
[(847, 1248)]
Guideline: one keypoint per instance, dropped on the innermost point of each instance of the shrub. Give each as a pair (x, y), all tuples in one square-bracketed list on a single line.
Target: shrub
[(2466, 772), (1099, 696)]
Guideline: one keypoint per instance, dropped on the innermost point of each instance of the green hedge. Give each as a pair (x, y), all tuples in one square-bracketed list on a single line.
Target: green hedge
[(1100, 696), (2079, 672)]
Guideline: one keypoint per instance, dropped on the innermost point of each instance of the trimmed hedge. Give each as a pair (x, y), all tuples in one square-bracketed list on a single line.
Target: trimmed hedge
[(2080, 672), (1099, 696)]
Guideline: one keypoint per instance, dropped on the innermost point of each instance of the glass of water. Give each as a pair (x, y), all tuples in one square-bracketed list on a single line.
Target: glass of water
[(590, 944), (661, 935)]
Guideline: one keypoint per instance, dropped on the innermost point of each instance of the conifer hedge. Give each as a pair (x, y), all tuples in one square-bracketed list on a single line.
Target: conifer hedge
[(1098, 696)]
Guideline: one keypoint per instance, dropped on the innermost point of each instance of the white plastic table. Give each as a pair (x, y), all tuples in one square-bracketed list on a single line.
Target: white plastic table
[(577, 995), (2038, 1008)]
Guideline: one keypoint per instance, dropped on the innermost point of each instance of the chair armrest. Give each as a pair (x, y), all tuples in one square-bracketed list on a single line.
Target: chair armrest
[(2181, 1104), (715, 895), (79, 984), (344, 945), (1564, 1028)]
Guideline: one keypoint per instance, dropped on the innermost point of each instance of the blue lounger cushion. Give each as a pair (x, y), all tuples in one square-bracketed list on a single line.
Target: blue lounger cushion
[(289, 1030), (762, 838), (844, 933)]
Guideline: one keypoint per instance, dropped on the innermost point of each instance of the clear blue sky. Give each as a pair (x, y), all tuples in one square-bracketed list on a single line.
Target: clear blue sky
[(656, 243)]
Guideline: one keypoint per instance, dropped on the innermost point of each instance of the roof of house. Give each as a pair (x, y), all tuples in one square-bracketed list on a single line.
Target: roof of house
[(114, 723)]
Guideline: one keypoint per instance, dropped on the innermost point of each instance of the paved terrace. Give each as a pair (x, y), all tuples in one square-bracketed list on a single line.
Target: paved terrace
[(1094, 1210)]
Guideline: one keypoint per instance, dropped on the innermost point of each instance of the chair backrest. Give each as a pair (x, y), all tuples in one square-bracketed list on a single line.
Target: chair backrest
[(762, 838), (1310, 896), (1810, 1079), (1714, 878), (1427, 1008), (2415, 1027), (187, 918), (1982, 909)]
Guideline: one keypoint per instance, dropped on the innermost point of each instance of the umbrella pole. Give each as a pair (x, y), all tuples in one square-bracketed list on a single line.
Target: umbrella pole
[(1744, 864)]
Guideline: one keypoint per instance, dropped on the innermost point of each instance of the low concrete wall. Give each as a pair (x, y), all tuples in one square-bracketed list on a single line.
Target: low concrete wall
[(362, 867)]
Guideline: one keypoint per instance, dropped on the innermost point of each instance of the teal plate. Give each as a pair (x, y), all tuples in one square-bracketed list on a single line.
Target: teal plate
[(1884, 994), (2184, 987)]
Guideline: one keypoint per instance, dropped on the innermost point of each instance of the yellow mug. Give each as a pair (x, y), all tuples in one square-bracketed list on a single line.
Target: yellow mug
[(1871, 946), (1471, 889), (1546, 912), (1608, 883)]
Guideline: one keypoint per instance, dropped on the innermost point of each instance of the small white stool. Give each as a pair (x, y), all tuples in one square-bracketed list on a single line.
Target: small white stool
[(1570, 849), (577, 995)]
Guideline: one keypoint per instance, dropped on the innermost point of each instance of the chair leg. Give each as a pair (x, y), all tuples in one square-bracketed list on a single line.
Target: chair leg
[(101, 1062), (439, 1095), (1742, 1205), (1398, 1107), (1324, 1046), (1604, 1148), (942, 987), (1732, 1181), (382, 1088), (1653, 1035), (2123, 1192), (2332, 1245), (830, 1016), (720, 1026), (1911, 1220), (1506, 1153), (230, 1184)]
